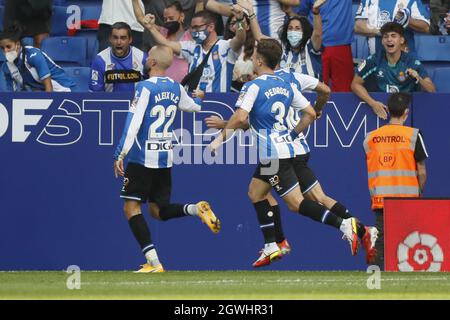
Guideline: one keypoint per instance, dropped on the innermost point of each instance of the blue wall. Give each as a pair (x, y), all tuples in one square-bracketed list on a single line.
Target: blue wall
[(59, 201)]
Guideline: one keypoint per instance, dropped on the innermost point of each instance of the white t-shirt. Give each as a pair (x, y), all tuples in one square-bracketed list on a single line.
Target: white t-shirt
[(120, 11)]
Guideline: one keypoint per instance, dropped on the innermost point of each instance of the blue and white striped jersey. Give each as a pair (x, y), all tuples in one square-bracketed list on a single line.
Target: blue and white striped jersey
[(218, 71), (148, 129), (302, 82), (379, 12), (30, 73), (307, 61), (111, 74), (267, 99), (270, 16)]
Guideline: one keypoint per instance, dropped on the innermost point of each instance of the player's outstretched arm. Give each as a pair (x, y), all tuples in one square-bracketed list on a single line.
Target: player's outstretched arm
[(237, 120), (323, 94), (187, 103)]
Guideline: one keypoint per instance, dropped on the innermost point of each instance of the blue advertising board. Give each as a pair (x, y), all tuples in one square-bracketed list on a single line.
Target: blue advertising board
[(60, 202)]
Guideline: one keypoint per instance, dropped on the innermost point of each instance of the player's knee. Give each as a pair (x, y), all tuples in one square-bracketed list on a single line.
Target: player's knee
[(254, 197), (293, 204), (154, 212)]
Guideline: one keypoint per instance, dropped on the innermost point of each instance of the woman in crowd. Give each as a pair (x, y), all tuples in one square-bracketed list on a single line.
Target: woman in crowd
[(28, 68)]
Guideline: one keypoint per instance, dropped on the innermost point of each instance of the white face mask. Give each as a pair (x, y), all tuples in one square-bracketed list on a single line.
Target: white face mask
[(294, 38), (11, 56)]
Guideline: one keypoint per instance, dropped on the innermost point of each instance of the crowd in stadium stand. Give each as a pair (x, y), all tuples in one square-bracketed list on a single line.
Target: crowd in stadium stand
[(87, 45)]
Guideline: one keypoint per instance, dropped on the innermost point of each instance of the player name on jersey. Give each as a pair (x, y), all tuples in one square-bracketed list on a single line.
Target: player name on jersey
[(277, 90), (167, 96)]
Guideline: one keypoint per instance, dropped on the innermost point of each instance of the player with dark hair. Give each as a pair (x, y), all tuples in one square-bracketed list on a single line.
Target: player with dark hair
[(148, 140), (28, 68), (264, 103), (403, 178)]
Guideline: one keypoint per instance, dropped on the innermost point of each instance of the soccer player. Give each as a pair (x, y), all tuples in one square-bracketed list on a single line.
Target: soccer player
[(119, 67), (264, 102), (309, 184), (148, 140)]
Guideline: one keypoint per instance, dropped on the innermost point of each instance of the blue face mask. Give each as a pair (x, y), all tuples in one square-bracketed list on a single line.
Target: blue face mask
[(200, 36), (294, 38)]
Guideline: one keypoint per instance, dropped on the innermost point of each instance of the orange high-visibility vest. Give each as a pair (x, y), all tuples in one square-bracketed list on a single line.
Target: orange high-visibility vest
[(392, 169)]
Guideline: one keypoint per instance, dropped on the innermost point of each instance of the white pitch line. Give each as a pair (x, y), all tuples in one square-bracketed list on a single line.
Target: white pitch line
[(284, 281)]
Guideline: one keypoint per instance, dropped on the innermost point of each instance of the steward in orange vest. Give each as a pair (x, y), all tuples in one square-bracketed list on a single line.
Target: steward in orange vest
[(393, 169), (395, 157)]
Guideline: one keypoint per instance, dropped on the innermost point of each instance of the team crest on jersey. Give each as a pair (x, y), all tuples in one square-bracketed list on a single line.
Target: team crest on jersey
[(110, 66), (240, 98), (401, 76), (362, 65), (94, 75), (215, 55)]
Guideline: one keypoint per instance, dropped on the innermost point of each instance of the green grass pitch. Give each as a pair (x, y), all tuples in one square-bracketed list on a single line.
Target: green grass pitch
[(196, 285)]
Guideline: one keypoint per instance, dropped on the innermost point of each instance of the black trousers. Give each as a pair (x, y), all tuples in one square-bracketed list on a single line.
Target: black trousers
[(104, 31), (379, 245)]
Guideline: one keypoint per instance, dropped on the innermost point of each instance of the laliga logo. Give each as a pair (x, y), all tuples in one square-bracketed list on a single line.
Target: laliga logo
[(419, 252)]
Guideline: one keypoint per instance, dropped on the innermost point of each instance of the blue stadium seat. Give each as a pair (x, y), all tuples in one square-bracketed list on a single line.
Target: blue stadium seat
[(441, 78), (2, 13), (66, 51), (27, 41), (92, 43), (91, 12), (59, 2), (59, 21), (432, 48), (81, 76)]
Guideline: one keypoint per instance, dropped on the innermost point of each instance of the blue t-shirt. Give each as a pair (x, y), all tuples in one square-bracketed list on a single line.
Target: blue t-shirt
[(337, 20), (111, 74), (391, 78), (36, 67)]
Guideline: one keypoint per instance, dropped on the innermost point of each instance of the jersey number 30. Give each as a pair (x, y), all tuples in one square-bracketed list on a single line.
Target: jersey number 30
[(279, 109)]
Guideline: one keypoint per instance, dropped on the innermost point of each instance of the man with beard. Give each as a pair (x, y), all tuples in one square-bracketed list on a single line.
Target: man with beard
[(119, 67)]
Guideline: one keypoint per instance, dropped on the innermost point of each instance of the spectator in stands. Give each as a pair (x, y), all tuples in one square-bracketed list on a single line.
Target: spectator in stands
[(158, 8), (392, 70), (119, 67), (28, 68), (440, 17), (302, 44), (118, 11), (173, 29), (33, 16), (215, 74), (337, 60), (372, 15), (270, 13), (243, 69)]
